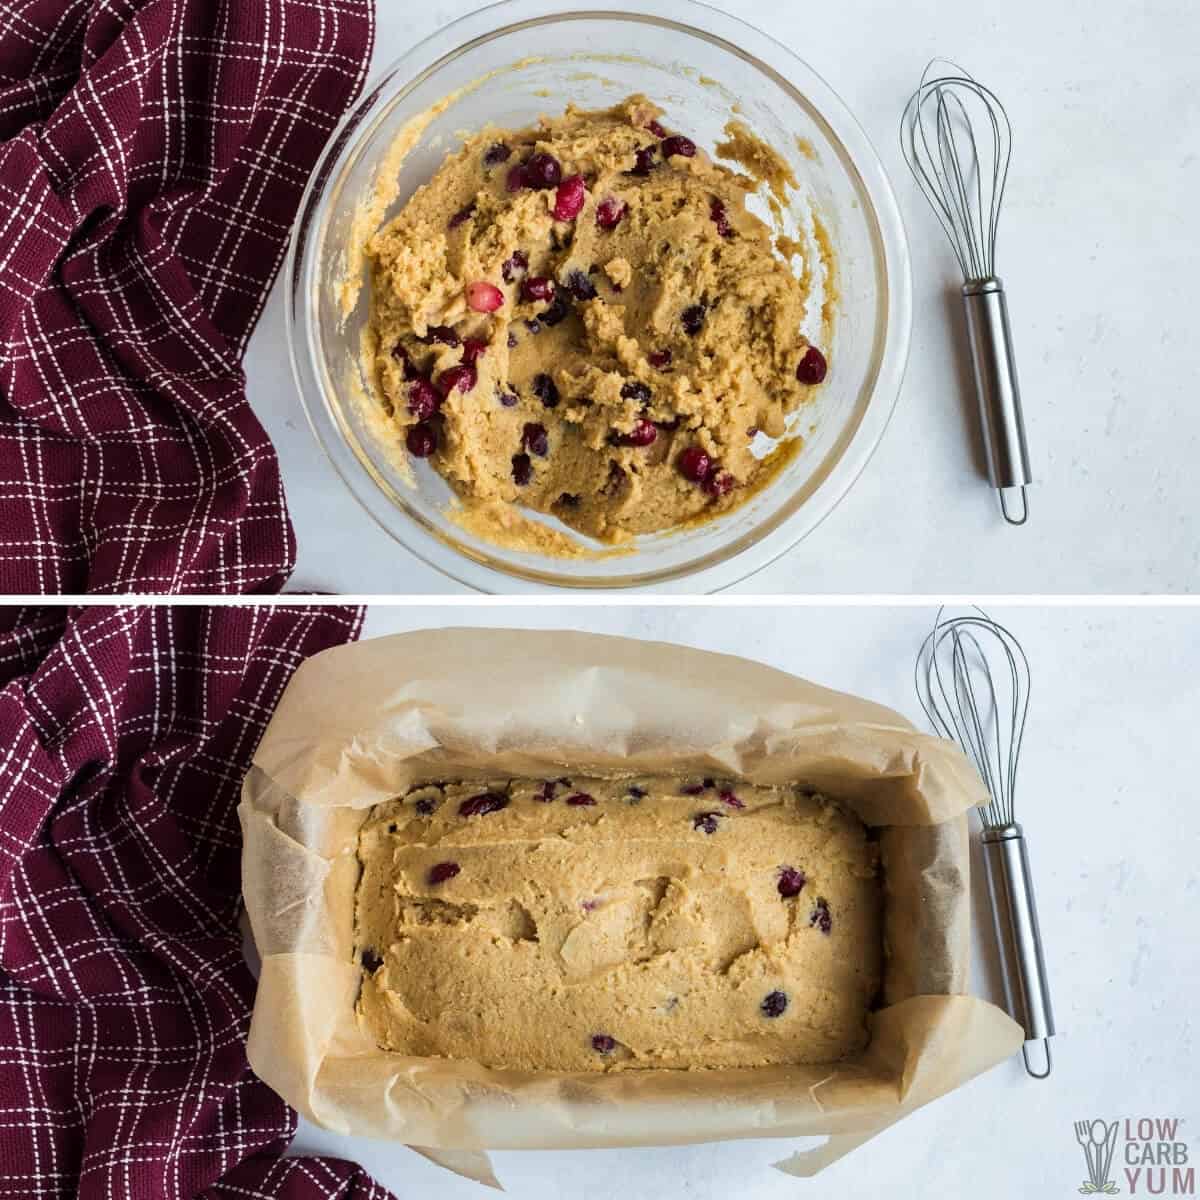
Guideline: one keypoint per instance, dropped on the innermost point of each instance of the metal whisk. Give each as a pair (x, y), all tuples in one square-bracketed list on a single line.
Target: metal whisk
[(957, 142), (972, 679)]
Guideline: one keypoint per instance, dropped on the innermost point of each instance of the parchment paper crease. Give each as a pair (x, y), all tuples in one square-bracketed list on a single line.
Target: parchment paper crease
[(360, 723)]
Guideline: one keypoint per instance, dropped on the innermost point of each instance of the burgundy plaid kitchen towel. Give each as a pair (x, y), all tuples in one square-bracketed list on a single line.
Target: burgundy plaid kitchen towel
[(124, 998), (152, 158)]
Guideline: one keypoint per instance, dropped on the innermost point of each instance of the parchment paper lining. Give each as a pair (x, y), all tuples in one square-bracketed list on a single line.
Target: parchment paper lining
[(360, 723)]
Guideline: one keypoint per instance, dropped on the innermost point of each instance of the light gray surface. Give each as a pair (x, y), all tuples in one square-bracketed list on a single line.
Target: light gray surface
[(1098, 250), (1107, 797)]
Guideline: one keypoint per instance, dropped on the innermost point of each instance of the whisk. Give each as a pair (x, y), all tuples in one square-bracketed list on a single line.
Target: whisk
[(957, 142), (972, 679)]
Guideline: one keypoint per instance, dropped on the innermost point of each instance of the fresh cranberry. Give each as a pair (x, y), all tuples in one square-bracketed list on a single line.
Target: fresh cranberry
[(821, 918), (543, 170), (472, 349), (609, 212), (644, 433), (791, 882), (634, 389), (517, 178), (484, 297), (558, 311), (442, 334), (443, 871), (371, 961), (508, 399), (680, 145), (495, 154), (568, 200), (581, 800), (730, 798), (812, 366), (463, 377), (421, 440), (423, 399), (425, 807), (485, 802), (537, 287), (519, 262), (693, 318), (463, 214), (580, 286), (545, 389), (720, 218), (533, 438), (522, 469), (603, 1044), (774, 1004), (694, 464), (643, 161), (659, 358), (707, 822), (656, 129), (719, 483)]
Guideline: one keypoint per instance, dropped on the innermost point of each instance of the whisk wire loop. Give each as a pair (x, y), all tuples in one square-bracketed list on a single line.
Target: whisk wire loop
[(962, 172), (973, 682)]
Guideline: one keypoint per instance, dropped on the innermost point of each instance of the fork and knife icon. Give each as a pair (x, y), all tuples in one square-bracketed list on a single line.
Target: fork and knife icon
[(1098, 1140)]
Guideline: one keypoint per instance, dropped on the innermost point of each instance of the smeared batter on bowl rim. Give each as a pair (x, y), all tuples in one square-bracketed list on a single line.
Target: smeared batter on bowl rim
[(584, 319)]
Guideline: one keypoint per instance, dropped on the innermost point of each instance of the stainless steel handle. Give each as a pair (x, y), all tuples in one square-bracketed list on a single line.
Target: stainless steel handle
[(1018, 937), (998, 392)]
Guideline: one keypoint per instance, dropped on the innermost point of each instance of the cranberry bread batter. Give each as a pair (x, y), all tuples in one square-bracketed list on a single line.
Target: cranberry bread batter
[(586, 924), (584, 319)]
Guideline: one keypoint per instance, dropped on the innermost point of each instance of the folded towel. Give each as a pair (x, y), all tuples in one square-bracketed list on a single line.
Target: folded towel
[(152, 157), (124, 997)]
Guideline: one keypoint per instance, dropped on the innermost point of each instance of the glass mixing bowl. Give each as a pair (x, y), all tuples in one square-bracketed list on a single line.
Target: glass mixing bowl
[(508, 64)]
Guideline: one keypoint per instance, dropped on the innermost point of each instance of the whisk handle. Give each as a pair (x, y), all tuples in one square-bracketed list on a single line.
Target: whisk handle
[(997, 390), (1018, 937)]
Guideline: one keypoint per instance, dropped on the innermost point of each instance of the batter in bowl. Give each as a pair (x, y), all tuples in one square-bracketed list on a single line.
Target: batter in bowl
[(584, 319)]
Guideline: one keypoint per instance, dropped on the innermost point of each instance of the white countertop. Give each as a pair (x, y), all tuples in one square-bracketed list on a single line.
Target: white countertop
[(1114, 832), (1100, 255)]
